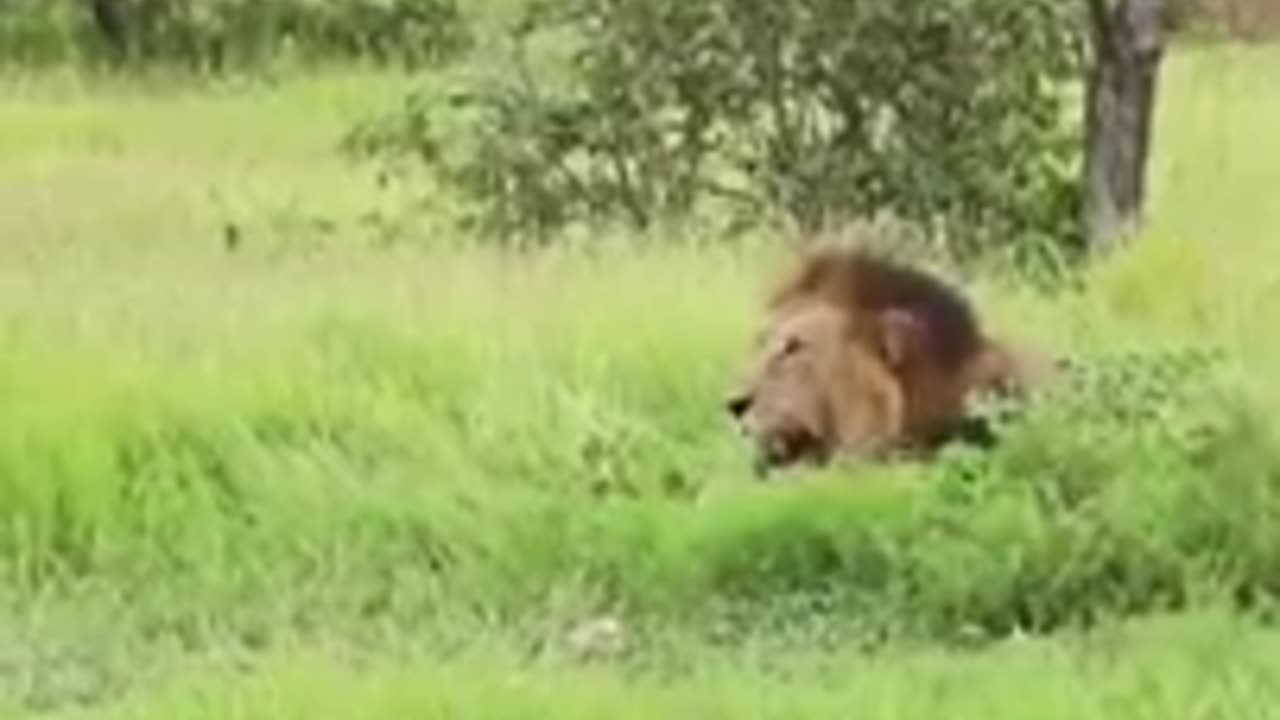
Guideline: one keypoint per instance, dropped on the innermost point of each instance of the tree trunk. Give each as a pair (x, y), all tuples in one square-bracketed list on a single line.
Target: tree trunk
[(109, 18), (1127, 46)]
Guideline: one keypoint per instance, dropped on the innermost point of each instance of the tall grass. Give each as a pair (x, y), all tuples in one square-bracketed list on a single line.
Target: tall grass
[(321, 437)]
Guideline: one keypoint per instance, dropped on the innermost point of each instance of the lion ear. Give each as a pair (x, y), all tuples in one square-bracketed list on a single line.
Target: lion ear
[(899, 333)]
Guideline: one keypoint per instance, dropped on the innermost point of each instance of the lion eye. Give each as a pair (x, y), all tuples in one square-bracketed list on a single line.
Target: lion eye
[(792, 345)]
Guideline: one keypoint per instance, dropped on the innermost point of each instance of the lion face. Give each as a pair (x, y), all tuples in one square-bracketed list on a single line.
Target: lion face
[(816, 385)]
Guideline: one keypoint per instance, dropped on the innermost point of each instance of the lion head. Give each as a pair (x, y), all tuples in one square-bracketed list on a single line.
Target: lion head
[(814, 385), (862, 357)]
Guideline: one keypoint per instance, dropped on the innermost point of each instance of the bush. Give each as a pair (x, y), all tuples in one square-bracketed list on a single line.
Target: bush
[(36, 32), (948, 115), (1235, 20), (217, 34)]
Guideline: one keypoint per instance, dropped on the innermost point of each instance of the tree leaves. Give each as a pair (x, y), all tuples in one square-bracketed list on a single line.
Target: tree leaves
[(949, 115)]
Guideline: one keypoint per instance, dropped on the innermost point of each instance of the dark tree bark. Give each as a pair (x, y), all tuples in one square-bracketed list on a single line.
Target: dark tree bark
[(1127, 42), (110, 18)]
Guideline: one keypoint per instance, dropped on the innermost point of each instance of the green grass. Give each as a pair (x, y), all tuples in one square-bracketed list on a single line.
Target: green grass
[(341, 461), (1202, 666)]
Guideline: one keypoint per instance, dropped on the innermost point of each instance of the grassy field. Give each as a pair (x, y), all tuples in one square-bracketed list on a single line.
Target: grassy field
[(352, 470), (1208, 666)]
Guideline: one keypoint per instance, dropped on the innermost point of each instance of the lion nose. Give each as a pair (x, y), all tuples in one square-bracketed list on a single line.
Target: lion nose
[(737, 405)]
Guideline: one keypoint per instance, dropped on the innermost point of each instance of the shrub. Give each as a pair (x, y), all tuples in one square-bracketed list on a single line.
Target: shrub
[(948, 115), (217, 34)]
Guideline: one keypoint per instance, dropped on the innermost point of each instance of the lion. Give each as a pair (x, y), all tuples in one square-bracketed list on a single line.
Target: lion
[(860, 356)]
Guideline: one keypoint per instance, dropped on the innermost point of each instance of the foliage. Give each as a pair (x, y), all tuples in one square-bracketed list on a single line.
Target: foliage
[(212, 454), (1233, 20), (949, 115), (416, 472), (216, 34)]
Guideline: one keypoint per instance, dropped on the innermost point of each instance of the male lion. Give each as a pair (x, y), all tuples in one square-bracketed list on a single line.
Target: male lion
[(863, 357)]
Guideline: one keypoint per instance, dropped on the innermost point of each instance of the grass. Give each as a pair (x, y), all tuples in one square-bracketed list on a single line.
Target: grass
[(1207, 666), (380, 471)]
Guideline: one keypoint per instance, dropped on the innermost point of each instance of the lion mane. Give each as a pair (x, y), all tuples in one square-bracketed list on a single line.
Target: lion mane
[(860, 355)]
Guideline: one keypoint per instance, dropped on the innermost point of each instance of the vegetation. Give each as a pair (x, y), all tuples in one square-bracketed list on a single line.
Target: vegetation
[(1237, 20), (221, 35), (950, 116), (307, 439), (276, 444), (1172, 668)]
